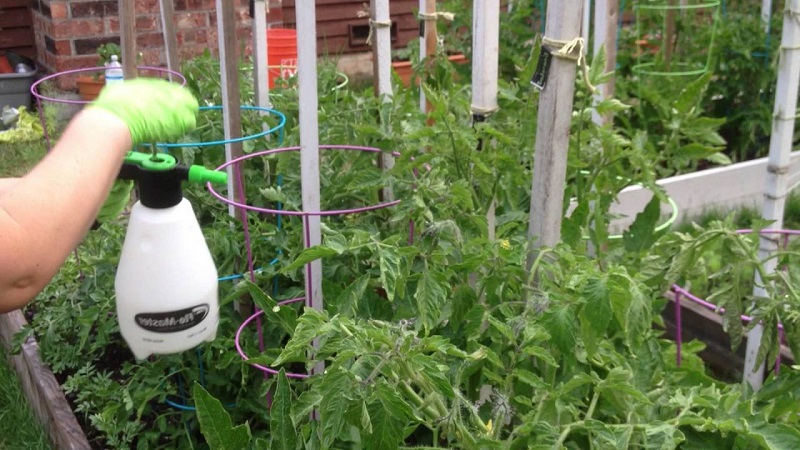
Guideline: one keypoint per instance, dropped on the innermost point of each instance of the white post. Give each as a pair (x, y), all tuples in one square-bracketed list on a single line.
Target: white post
[(381, 33), (231, 100), (766, 13), (309, 147), (485, 54), (427, 42), (780, 148), (553, 124), (485, 48), (260, 48), (586, 23)]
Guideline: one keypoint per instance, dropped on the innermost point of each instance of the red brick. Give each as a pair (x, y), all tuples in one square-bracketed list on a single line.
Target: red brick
[(63, 47), (78, 28), (185, 36), (146, 23), (153, 57), (112, 25), (191, 20), (76, 62), (275, 16), (194, 5), (149, 40), (58, 10), (143, 6)]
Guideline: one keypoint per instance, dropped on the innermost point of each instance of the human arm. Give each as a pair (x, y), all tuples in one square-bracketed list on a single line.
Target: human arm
[(6, 183), (46, 213)]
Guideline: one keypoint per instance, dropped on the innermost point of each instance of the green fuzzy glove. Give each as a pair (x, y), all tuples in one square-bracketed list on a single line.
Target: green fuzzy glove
[(116, 201), (155, 110)]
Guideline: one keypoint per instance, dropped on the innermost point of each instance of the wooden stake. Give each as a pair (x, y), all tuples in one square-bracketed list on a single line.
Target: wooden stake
[(605, 37), (427, 44), (127, 30), (776, 189), (552, 138), (382, 72), (231, 99), (309, 148), (260, 51), (170, 37), (669, 35), (485, 56)]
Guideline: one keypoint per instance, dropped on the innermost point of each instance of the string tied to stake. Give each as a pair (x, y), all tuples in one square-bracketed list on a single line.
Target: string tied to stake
[(448, 16), (573, 50), (373, 24)]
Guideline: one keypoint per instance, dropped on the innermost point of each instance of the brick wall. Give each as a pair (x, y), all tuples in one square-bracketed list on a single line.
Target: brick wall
[(69, 31)]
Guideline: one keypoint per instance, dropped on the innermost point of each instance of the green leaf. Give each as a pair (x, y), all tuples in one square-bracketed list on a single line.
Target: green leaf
[(282, 431), (305, 404), (691, 95), (642, 233), (561, 326), (776, 436), (337, 243), (597, 310), (431, 295), (351, 295), (216, 424), (308, 255), (392, 278), (336, 388)]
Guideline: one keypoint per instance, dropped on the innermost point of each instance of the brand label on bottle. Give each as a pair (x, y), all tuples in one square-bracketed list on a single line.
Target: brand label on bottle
[(172, 321)]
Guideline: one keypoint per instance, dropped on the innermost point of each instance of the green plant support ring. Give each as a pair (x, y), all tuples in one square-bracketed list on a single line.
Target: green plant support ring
[(686, 69), (668, 223)]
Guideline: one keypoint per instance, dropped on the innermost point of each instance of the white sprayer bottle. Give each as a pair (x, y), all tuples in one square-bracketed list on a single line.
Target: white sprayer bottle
[(166, 281)]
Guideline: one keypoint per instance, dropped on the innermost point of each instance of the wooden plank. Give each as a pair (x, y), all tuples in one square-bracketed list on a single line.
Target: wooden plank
[(328, 13), (127, 30), (705, 325), (231, 97), (170, 35), (17, 17), (41, 388), (699, 192), (392, 3), (16, 37), (7, 4), (28, 51)]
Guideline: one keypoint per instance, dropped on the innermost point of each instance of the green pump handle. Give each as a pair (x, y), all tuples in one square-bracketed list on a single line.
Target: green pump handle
[(160, 176)]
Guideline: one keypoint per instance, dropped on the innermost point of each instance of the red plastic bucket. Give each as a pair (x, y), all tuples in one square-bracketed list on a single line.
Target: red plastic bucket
[(281, 53)]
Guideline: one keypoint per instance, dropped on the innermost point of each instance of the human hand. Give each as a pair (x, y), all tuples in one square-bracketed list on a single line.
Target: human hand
[(154, 110)]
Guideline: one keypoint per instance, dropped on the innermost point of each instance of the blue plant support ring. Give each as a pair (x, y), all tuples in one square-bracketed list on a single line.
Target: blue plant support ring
[(279, 128)]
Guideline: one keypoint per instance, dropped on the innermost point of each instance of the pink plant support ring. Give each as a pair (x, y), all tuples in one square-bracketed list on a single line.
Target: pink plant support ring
[(284, 212), (266, 370)]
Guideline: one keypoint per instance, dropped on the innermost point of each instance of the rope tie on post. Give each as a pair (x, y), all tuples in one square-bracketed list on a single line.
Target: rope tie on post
[(373, 24), (481, 111), (448, 16), (573, 50)]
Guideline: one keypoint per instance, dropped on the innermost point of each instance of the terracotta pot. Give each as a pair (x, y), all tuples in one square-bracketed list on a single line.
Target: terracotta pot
[(89, 88), (404, 70)]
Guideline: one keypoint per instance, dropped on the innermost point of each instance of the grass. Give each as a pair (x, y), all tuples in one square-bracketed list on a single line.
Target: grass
[(745, 217), (19, 429)]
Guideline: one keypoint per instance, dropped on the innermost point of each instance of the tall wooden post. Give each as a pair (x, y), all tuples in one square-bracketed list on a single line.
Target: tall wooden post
[(381, 35), (231, 98), (170, 36), (553, 125), (309, 147), (606, 14), (775, 191), (127, 30)]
